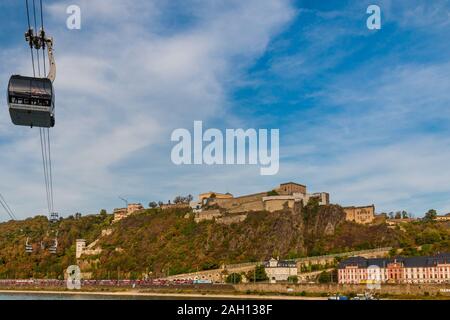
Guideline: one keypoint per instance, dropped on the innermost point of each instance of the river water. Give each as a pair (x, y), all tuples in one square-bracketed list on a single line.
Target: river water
[(43, 296)]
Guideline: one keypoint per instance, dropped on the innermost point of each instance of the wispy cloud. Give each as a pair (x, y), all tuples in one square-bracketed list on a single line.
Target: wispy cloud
[(124, 81), (365, 114), (362, 114)]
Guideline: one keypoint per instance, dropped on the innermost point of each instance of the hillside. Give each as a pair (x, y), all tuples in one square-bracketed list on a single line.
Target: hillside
[(15, 263), (170, 241)]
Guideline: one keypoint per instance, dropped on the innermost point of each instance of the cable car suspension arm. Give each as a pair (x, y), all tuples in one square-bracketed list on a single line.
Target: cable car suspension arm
[(38, 41)]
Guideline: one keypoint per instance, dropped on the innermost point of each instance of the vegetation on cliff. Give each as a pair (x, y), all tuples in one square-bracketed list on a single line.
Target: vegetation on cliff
[(15, 263), (167, 242), (161, 242)]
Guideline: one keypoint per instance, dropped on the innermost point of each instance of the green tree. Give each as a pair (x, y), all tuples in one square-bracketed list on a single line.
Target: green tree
[(410, 252), (257, 274), (178, 199), (429, 235), (210, 265), (430, 215), (153, 204), (325, 277), (234, 278), (393, 252), (293, 279)]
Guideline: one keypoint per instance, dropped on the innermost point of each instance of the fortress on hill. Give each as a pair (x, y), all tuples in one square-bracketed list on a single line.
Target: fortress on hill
[(286, 195), (210, 205)]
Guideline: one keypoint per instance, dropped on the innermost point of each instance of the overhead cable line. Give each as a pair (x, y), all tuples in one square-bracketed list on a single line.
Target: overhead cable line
[(7, 207), (31, 44), (43, 133)]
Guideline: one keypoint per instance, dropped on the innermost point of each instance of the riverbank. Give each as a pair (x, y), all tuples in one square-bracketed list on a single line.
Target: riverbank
[(178, 296), (401, 291)]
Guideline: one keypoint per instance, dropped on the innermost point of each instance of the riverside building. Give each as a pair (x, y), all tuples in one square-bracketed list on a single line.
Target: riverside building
[(427, 269)]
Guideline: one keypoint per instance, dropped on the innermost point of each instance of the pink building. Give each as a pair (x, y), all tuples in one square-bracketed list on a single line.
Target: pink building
[(359, 270)]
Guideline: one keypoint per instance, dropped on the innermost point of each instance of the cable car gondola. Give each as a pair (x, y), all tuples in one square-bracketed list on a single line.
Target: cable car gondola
[(53, 249), (31, 101), (28, 247), (54, 217)]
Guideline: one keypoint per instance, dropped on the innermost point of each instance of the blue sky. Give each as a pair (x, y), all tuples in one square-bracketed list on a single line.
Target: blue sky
[(363, 115)]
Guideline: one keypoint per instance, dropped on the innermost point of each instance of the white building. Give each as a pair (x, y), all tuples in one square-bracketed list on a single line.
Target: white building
[(278, 270)]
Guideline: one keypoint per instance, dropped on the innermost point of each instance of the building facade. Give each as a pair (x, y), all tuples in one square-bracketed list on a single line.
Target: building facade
[(290, 188), (362, 215), (414, 270), (215, 195), (251, 202), (443, 218), (133, 207), (181, 205), (278, 270), (121, 213), (286, 195), (276, 203)]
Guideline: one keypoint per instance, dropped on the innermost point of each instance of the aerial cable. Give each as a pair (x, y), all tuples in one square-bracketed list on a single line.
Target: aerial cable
[(34, 75), (42, 16), (7, 208), (50, 167), (48, 149), (47, 140), (9, 214), (29, 31), (45, 150), (44, 164), (44, 134), (35, 27), (43, 36), (28, 14)]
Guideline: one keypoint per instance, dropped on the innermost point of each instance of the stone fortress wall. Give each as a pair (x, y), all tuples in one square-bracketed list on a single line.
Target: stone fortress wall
[(287, 195), (252, 202)]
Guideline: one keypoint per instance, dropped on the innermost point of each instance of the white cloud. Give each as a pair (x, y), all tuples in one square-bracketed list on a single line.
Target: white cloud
[(124, 81), (377, 144), (137, 70)]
